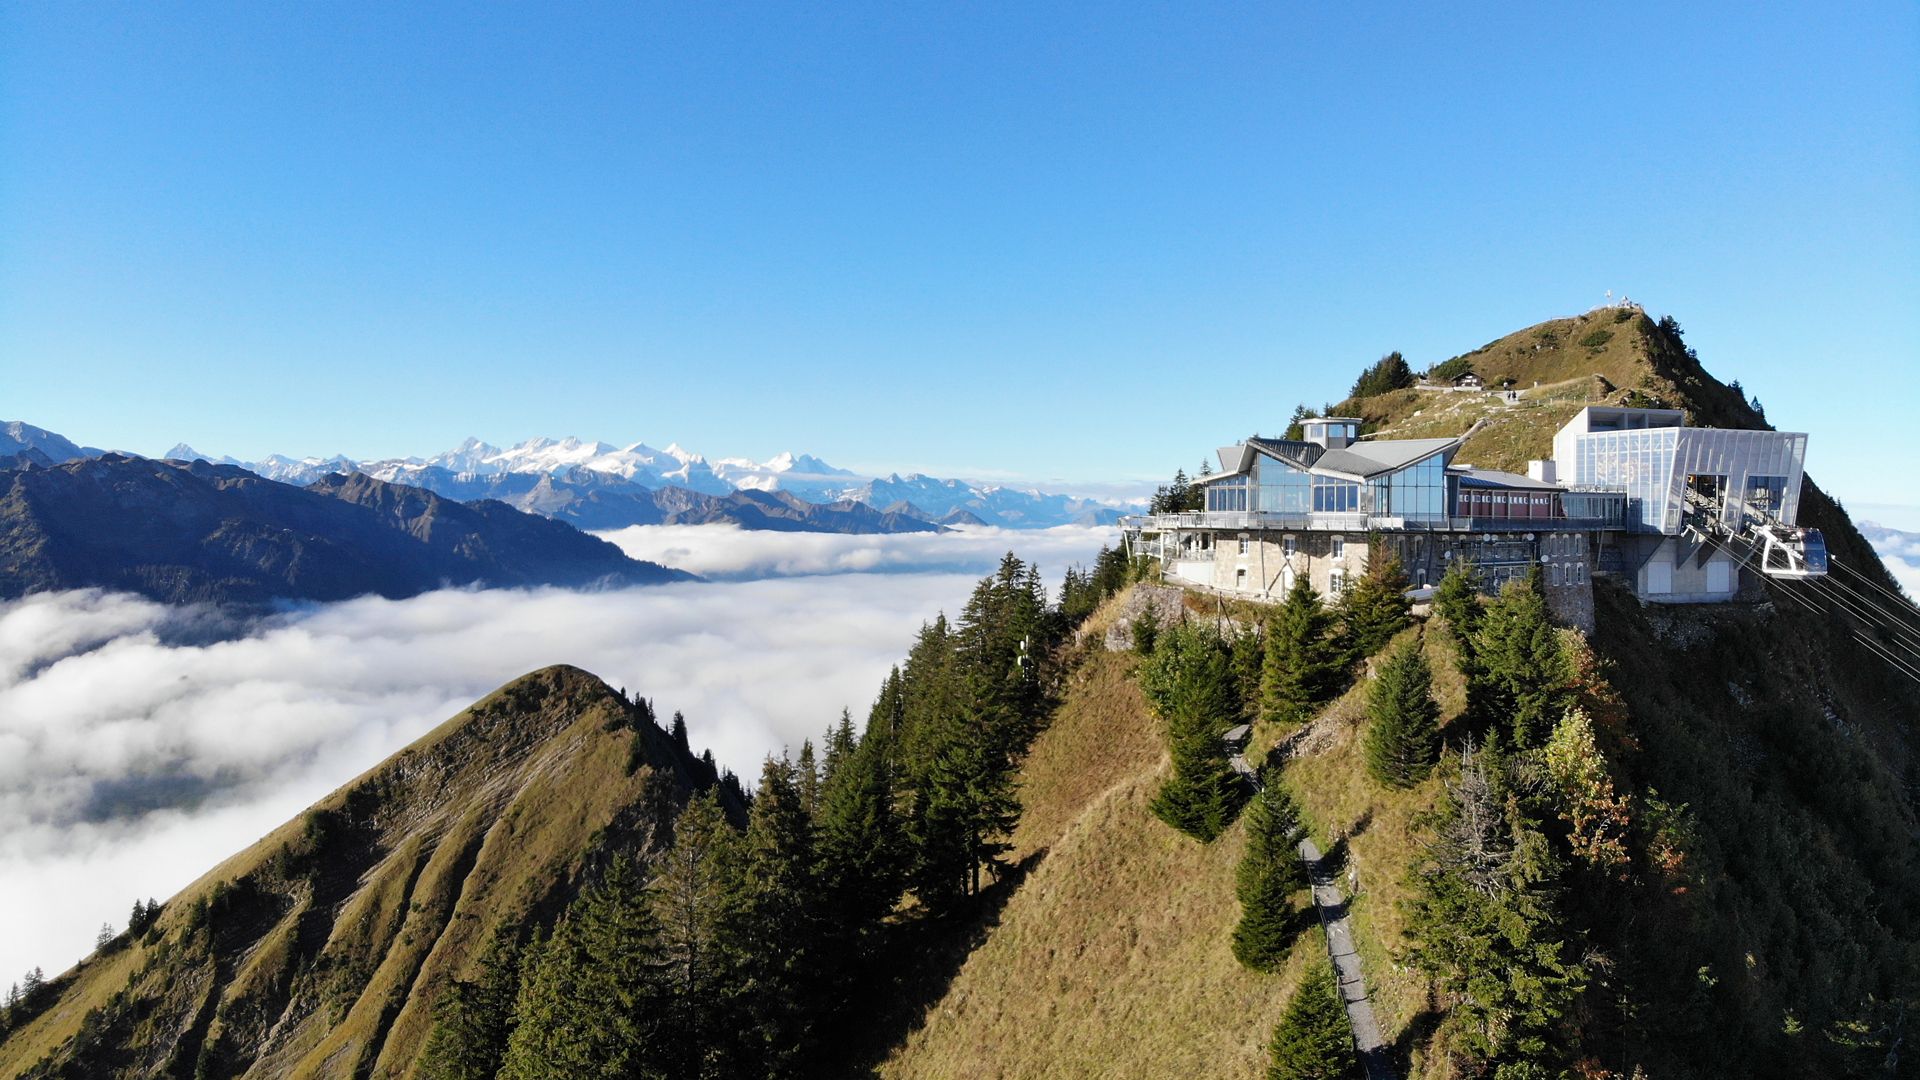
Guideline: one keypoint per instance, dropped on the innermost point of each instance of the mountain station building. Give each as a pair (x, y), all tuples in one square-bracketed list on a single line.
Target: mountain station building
[(1682, 514)]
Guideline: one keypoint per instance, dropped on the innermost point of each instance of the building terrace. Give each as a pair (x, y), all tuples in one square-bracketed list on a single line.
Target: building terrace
[(1630, 491)]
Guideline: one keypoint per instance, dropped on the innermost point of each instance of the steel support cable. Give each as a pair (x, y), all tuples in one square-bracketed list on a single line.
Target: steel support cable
[(1905, 606), (1872, 616), (1895, 661), (1782, 588)]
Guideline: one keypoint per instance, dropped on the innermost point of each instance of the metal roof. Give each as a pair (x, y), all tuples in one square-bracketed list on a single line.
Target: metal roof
[(1494, 478), (1294, 452), (1362, 460)]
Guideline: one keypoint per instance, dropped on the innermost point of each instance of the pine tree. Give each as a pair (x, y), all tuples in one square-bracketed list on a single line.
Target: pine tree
[(806, 774), (1314, 1040), (858, 836), (967, 808), (1269, 874), (1520, 675), (104, 938), (1298, 668), (1190, 684), (679, 732), (774, 926), (1457, 599), (1249, 657), (1403, 737), (472, 1021), (594, 1004), (1484, 920), (1376, 607), (698, 880)]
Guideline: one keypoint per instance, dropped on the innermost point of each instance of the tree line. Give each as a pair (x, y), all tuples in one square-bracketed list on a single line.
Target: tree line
[(752, 947)]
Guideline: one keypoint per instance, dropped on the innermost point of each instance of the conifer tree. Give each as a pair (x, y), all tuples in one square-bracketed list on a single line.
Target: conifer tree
[(1485, 923), (679, 732), (1314, 1040), (966, 809), (1269, 874), (1110, 571), (1457, 599), (473, 1020), (698, 881), (1249, 656), (1190, 683), (1298, 668), (1520, 676), (857, 835), (806, 775), (1376, 607), (774, 927), (1403, 737), (594, 1004)]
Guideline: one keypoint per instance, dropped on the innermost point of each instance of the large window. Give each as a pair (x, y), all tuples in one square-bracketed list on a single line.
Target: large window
[(1334, 496), (1417, 492), (1767, 495), (1227, 495), (1283, 489)]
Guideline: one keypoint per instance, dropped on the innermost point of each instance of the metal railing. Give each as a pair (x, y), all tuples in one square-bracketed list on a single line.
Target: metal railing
[(1259, 521)]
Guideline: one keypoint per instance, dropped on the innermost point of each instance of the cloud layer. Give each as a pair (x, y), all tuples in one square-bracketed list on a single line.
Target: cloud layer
[(728, 552), (140, 744)]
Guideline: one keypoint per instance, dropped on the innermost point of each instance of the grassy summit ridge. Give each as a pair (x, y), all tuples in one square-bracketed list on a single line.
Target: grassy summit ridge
[(319, 950)]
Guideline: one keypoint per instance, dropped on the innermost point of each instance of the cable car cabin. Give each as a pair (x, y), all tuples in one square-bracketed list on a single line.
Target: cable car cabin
[(1792, 553)]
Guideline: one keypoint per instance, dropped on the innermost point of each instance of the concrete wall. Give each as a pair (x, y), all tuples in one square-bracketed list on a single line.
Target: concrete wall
[(1665, 577), (1259, 566)]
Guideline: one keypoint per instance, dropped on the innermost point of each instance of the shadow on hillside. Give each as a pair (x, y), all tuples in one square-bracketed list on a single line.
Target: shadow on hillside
[(1418, 1032), (916, 965)]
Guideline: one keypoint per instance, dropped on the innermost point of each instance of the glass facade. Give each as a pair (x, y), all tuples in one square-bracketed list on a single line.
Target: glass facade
[(1417, 492), (1335, 496), (1752, 471), (1283, 489), (1227, 494)]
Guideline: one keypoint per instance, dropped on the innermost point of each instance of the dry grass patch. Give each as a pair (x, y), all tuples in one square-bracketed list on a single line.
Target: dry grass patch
[(1113, 958)]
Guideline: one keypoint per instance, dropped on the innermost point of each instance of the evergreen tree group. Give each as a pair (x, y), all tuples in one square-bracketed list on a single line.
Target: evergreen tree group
[(1485, 920), (750, 948), (1518, 681), (1391, 372), (1189, 682)]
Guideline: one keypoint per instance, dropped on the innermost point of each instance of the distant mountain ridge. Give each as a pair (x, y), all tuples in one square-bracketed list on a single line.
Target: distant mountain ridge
[(475, 469), (183, 532)]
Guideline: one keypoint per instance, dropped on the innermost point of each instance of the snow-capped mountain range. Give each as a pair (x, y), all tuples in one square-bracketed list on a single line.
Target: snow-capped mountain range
[(574, 467)]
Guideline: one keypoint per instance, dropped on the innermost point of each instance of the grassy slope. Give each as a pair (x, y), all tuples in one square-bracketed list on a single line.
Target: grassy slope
[(332, 971), (1112, 959)]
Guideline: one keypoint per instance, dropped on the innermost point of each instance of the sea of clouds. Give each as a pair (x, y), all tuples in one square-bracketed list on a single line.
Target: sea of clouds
[(140, 744)]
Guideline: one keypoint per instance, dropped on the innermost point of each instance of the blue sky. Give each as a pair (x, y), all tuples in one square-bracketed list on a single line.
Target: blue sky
[(1081, 242)]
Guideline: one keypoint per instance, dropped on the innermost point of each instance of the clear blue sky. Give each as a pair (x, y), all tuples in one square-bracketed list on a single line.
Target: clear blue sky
[(1081, 242)]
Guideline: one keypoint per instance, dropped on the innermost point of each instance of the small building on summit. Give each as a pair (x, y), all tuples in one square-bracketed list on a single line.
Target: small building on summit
[(1678, 512)]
